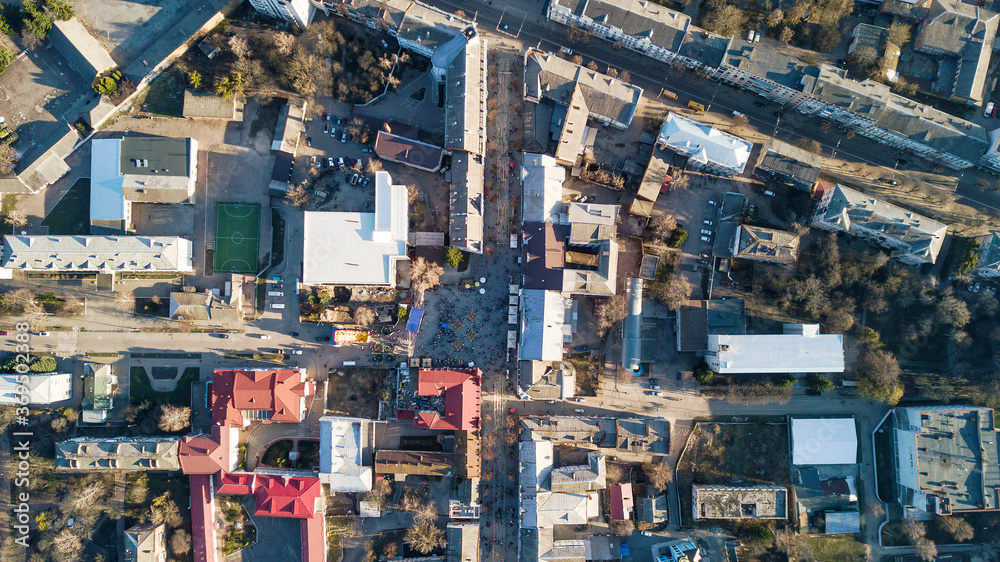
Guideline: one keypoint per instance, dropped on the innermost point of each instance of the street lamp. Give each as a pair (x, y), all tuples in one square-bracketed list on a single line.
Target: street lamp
[(709, 108), (834, 155)]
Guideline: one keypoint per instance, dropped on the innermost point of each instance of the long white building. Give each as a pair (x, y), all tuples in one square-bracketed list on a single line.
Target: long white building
[(86, 254), (800, 349)]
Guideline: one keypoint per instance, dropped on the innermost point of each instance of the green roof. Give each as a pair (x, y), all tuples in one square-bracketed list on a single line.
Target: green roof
[(157, 156), (95, 388)]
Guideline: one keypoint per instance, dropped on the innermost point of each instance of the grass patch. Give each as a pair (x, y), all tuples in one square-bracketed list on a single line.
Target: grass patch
[(267, 117), (71, 215), (166, 95), (828, 549), (7, 203), (588, 375), (141, 390)]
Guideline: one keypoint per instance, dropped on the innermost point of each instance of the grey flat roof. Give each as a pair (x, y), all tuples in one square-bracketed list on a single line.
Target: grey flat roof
[(467, 194), (85, 44), (163, 156)]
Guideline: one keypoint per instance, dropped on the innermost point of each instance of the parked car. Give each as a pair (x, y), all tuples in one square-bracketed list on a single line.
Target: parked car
[(343, 137), (326, 128), (293, 334), (333, 132), (707, 222), (322, 338), (366, 149), (364, 182), (645, 533), (340, 162), (46, 334), (712, 203), (706, 239), (264, 336), (329, 161), (354, 179), (3, 332), (655, 394), (579, 410), (582, 348), (325, 116), (340, 121), (654, 387), (312, 162), (706, 232), (769, 193), (295, 351), (309, 141), (974, 290), (654, 381), (221, 336), (989, 109), (889, 181)]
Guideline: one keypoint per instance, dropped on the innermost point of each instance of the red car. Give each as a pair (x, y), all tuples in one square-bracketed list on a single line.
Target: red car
[(3, 332)]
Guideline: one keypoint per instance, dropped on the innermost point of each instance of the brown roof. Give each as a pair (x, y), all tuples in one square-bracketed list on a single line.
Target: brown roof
[(408, 151), (414, 462)]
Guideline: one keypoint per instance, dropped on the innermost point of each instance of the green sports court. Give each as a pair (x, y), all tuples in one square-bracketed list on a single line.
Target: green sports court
[(237, 230)]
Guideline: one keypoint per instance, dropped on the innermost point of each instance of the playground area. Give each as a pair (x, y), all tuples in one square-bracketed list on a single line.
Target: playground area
[(237, 237)]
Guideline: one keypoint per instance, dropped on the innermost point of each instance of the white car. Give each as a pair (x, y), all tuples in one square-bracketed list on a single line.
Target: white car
[(46, 334), (655, 394), (264, 336), (706, 239), (645, 533), (712, 203), (769, 193), (578, 410), (706, 232), (296, 352), (707, 222), (654, 387), (975, 289)]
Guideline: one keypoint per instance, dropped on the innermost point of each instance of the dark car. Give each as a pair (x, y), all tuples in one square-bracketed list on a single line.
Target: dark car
[(888, 181), (3, 332), (322, 338), (654, 381), (293, 334), (776, 113), (309, 141), (221, 336)]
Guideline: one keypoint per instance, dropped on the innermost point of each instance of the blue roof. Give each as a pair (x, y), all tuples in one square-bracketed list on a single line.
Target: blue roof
[(413, 323), (107, 201)]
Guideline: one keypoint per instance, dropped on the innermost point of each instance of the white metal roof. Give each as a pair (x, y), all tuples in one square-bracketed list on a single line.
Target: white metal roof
[(542, 179), (704, 144), (780, 353), (543, 316), (40, 388), (819, 441), (358, 248), (97, 253), (341, 454)]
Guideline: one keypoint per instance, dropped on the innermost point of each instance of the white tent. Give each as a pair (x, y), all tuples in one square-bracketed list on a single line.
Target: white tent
[(818, 441)]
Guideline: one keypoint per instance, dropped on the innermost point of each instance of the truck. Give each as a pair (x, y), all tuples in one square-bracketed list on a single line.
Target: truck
[(696, 106), (668, 94), (7, 135)]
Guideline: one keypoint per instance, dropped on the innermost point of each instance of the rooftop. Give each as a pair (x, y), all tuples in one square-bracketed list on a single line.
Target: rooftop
[(240, 396), (202, 454), (283, 496), (85, 45), (465, 97), (41, 388), (621, 501), (467, 196), (739, 502), (118, 453), (642, 20), (767, 63), (461, 390), (345, 453), (805, 352), (408, 151), (358, 248), (202, 105), (699, 318), (622, 435), (823, 441), (790, 161), (98, 253), (290, 127), (414, 462), (703, 144), (542, 180), (604, 98), (543, 326), (766, 244)]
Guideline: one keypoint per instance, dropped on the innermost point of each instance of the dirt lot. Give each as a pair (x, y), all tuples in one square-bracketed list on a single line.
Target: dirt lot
[(354, 392), (746, 453)]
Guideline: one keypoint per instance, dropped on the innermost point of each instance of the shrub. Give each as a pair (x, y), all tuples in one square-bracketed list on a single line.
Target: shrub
[(6, 57), (702, 373), (106, 86), (43, 365), (818, 384), (452, 256), (783, 380), (678, 237)]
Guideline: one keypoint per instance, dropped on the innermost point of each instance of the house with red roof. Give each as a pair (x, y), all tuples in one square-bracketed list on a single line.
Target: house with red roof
[(283, 496), (240, 396), (202, 518), (621, 501), (462, 393), (204, 454)]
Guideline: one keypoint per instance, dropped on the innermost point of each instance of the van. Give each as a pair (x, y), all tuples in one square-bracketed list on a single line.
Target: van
[(275, 294), (350, 363), (278, 305), (769, 193), (655, 394), (750, 36), (513, 240), (696, 106), (989, 109), (668, 94), (565, 50)]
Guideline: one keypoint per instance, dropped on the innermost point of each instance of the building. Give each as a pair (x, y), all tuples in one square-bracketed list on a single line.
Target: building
[(683, 550), (146, 542), (706, 148), (586, 94), (203, 105), (118, 453), (990, 160), (960, 37), (105, 254), (542, 181), (240, 396), (632, 329), (298, 12), (800, 349), (138, 170), (766, 245), (621, 501), (544, 328), (542, 508), (912, 238), (842, 522), (411, 152), (99, 385), (205, 455), (420, 463), (462, 542), (290, 127), (646, 28), (770, 74), (43, 164), (946, 460), (987, 256), (824, 441), (613, 436), (461, 389), (467, 202), (465, 92), (739, 502), (655, 180), (574, 259), (35, 389), (344, 248), (873, 37), (697, 319), (83, 53), (788, 164), (582, 478), (345, 453), (201, 307)]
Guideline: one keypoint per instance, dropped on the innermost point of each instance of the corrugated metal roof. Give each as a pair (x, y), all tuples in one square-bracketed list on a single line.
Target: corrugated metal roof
[(97, 253), (543, 315), (777, 353), (467, 194), (704, 144), (542, 180)]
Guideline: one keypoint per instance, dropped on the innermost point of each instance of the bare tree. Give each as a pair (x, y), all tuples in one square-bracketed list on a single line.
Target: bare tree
[(913, 530), (662, 226), (66, 542), (297, 196), (726, 20), (899, 33), (659, 474), (611, 312), (424, 537), (164, 510), (794, 545), (612, 72), (16, 219), (239, 46), (180, 542), (577, 59), (878, 376), (786, 34), (373, 166), (91, 494), (125, 301), (284, 42), (925, 549), (8, 159), (364, 316), (625, 76), (424, 275), (592, 65), (671, 294), (30, 40), (956, 526), (775, 17), (174, 418)]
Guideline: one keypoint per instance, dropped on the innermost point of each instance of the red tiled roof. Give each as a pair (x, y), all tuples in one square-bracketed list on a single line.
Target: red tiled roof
[(234, 484), (202, 526), (820, 188), (201, 454), (279, 496), (461, 389), (277, 391), (621, 501), (314, 539)]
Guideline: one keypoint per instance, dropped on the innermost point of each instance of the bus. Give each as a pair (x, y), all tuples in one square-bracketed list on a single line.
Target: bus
[(696, 106), (668, 94)]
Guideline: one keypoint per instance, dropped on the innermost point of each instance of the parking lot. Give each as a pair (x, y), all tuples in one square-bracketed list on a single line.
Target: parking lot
[(326, 139)]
